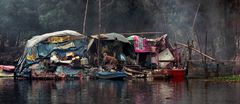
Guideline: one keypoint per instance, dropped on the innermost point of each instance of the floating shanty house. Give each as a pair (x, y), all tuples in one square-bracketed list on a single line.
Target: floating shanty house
[(51, 55)]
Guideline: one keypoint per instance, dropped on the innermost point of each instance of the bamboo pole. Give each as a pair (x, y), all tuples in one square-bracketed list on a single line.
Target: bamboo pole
[(85, 17), (99, 30), (193, 25), (189, 57), (137, 59), (217, 70), (205, 62), (219, 61), (194, 49)]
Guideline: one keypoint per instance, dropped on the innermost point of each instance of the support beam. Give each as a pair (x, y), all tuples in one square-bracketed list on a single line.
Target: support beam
[(196, 50)]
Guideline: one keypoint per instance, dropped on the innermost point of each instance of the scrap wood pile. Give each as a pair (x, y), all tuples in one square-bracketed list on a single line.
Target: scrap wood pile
[(154, 56)]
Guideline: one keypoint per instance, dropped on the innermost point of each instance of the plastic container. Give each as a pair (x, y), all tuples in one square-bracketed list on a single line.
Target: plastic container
[(84, 61)]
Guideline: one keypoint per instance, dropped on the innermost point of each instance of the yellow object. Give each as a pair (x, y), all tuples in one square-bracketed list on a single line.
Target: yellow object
[(58, 39), (31, 57), (75, 58), (3, 74), (66, 46), (69, 54)]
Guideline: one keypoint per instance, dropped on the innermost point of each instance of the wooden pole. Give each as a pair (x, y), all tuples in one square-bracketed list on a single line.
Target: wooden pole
[(205, 59), (15, 75), (237, 47), (194, 49), (17, 40), (219, 61), (137, 58), (217, 71), (85, 17), (237, 40), (99, 30), (199, 46), (189, 57), (193, 25)]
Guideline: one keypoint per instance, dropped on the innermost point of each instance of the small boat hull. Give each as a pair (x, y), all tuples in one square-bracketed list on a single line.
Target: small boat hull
[(175, 74), (111, 75)]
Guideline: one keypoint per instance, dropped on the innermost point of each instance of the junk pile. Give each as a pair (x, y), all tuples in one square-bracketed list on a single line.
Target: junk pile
[(54, 55), (155, 57)]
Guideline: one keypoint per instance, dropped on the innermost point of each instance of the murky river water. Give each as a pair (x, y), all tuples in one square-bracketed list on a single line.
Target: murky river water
[(123, 92)]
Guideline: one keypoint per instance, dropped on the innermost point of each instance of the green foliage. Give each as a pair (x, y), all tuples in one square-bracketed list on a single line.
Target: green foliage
[(59, 15), (227, 78)]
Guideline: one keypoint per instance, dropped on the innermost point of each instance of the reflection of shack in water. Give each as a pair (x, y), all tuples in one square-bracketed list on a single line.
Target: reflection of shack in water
[(123, 92), (162, 91)]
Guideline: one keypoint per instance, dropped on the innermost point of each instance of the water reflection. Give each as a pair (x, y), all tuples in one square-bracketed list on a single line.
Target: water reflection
[(123, 92)]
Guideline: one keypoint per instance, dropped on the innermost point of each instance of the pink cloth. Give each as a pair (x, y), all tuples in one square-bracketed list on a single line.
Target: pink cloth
[(141, 45), (7, 67)]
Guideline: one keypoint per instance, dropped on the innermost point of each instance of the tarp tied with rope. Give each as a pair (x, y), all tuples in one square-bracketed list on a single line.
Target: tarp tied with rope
[(41, 47)]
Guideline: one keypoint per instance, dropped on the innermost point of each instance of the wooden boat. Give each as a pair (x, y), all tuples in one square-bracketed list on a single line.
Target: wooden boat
[(161, 73), (175, 73), (134, 73), (111, 75)]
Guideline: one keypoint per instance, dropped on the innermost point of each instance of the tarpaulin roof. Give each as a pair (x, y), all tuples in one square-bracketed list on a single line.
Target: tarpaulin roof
[(131, 37), (112, 36), (36, 39), (35, 50)]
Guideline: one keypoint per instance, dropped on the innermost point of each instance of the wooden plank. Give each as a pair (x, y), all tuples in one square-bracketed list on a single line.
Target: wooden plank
[(141, 33), (165, 60)]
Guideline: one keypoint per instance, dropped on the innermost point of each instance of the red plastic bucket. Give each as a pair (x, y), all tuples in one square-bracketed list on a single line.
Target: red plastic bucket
[(178, 74)]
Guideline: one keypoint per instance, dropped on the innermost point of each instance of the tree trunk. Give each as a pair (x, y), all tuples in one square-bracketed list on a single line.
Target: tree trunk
[(17, 40)]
